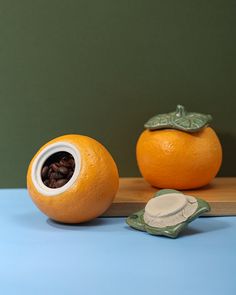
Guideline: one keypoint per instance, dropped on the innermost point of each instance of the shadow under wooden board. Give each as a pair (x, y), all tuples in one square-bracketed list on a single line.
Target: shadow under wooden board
[(134, 193)]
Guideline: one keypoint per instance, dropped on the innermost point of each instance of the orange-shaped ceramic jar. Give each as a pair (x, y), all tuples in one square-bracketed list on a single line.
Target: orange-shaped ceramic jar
[(90, 190), (179, 150)]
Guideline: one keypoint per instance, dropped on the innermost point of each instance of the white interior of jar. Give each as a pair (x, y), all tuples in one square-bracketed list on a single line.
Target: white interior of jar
[(41, 159)]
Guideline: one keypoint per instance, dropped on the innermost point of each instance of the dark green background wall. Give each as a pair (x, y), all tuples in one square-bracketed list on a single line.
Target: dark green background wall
[(102, 68)]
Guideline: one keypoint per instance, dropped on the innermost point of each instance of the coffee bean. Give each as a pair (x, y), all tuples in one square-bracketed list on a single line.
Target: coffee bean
[(64, 158), (58, 170), (72, 162), (44, 172), (69, 175), (56, 175), (50, 171), (52, 183), (46, 182), (63, 170), (64, 163), (61, 182), (54, 167)]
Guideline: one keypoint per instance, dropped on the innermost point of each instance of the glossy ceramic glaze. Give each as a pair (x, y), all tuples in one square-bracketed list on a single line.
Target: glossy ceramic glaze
[(180, 120), (137, 221)]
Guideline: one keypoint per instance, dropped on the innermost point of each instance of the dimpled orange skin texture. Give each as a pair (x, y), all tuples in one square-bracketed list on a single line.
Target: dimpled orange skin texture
[(175, 159), (93, 191)]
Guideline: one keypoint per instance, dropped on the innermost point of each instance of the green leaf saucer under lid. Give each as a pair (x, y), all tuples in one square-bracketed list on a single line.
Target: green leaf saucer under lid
[(180, 120), (136, 220)]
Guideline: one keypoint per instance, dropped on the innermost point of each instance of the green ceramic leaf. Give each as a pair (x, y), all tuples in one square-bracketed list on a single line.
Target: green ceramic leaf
[(136, 220), (180, 120)]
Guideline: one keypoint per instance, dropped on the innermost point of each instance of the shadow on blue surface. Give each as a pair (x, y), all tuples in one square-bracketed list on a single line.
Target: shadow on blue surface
[(37, 221), (204, 227), (92, 223), (193, 229), (104, 222), (98, 224)]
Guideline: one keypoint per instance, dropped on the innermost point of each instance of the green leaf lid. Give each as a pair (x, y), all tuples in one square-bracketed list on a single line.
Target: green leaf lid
[(180, 120)]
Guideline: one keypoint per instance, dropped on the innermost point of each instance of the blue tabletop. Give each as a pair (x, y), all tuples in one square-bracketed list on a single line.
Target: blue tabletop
[(39, 256)]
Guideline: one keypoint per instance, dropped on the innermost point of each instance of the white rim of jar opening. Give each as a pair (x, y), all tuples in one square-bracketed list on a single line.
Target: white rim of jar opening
[(43, 156)]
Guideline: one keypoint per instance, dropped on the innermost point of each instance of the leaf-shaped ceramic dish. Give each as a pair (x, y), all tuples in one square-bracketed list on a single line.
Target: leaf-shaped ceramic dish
[(136, 220), (180, 120)]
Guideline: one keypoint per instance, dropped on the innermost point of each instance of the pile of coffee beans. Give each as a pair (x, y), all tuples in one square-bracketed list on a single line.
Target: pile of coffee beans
[(58, 169)]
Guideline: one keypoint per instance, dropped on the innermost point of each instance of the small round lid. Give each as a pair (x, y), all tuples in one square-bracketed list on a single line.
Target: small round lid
[(166, 205)]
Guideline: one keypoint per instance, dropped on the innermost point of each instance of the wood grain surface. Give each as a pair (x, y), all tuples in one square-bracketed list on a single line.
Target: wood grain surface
[(134, 193)]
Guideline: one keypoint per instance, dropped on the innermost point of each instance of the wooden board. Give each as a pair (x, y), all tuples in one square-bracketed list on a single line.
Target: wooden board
[(135, 192)]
